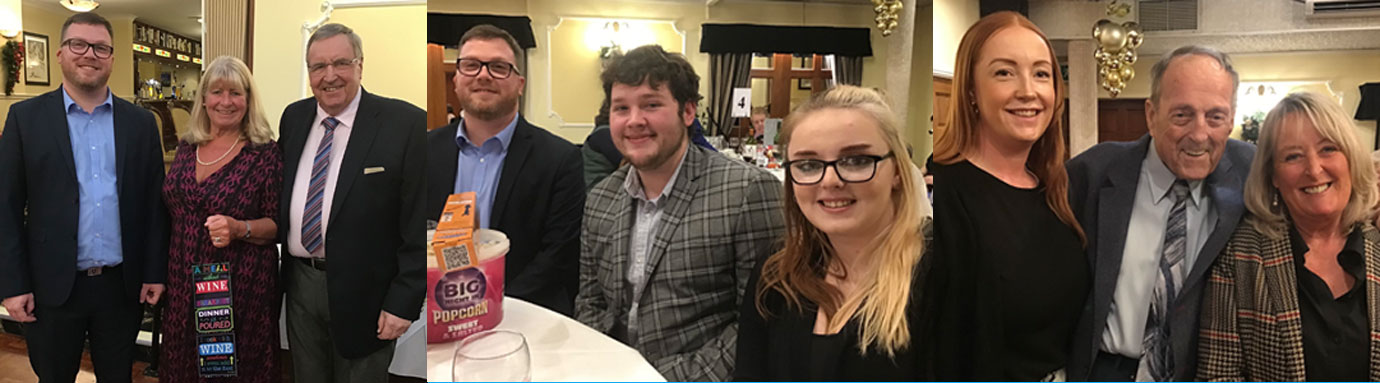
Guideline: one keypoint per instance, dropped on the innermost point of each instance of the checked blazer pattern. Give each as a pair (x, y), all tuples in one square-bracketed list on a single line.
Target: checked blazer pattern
[(720, 218), (1251, 326)]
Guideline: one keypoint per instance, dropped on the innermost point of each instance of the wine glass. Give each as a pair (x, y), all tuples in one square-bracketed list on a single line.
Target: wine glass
[(492, 356)]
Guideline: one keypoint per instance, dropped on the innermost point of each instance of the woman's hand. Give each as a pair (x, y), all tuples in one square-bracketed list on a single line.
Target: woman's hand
[(223, 229)]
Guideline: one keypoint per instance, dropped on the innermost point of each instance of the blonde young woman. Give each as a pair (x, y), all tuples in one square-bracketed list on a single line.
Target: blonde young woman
[(1010, 275), (1294, 295), (222, 196), (840, 301)]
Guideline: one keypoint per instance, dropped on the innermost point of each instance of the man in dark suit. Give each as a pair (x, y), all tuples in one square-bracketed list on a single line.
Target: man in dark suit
[(1142, 320), (528, 182), (88, 169), (352, 198)]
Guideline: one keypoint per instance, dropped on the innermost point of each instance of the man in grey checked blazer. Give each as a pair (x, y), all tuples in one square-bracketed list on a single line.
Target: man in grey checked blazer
[(668, 243)]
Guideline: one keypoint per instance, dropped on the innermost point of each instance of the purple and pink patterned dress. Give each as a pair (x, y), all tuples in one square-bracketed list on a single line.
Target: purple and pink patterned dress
[(245, 188)]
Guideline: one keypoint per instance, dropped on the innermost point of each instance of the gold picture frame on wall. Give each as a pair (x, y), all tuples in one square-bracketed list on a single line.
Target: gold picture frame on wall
[(36, 59)]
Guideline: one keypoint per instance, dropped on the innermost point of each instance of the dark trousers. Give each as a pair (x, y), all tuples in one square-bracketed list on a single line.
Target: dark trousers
[(1110, 367), (97, 311), (314, 358)]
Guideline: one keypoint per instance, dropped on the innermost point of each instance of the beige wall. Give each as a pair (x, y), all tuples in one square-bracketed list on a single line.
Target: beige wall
[(951, 19), (46, 20), (687, 17), (1343, 71), (394, 65)]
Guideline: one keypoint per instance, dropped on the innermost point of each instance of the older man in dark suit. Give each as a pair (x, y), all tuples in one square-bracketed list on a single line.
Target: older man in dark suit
[(670, 241), (87, 167), (1157, 212), (352, 200), (528, 182)]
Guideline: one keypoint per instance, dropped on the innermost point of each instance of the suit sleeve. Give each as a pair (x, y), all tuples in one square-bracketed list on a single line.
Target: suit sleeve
[(159, 231), (14, 257), (405, 293), (757, 233), (1219, 341), (591, 306), (963, 330), (558, 261), (750, 364)]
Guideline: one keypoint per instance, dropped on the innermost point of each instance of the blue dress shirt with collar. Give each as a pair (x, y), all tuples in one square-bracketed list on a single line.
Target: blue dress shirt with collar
[(480, 166), (93, 152)]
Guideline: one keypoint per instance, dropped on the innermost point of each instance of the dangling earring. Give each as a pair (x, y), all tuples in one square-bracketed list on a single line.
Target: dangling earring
[(1274, 200)]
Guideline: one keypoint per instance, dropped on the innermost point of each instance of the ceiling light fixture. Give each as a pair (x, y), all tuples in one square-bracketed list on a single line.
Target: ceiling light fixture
[(79, 5)]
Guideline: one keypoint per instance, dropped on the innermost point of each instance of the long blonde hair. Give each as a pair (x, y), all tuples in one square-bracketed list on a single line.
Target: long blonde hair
[(1049, 153), (798, 271), (1334, 125), (233, 71)]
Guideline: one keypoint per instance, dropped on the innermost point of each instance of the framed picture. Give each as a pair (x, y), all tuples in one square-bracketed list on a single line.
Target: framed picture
[(804, 84), (35, 59)]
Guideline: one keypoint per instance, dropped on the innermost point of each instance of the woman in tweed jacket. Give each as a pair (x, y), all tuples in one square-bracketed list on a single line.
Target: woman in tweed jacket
[(1295, 295)]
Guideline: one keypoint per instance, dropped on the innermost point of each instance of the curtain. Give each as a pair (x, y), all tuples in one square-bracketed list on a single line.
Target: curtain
[(847, 70), (726, 71)]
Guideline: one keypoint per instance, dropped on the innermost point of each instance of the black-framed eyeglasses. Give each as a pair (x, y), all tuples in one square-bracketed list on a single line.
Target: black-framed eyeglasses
[(852, 169), (498, 69), (338, 65), (79, 47)]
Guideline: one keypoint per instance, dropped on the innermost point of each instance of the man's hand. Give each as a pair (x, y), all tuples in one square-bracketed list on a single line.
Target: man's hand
[(21, 307), (150, 293), (390, 326)]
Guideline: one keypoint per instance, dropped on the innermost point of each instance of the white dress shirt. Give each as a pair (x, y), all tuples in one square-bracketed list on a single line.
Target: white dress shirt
[(339, 141)]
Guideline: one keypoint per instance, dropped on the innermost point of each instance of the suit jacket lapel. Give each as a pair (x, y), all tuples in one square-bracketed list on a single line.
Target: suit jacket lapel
[(1372, 239), (1280, 286), (512, 165), (1225, 187), (677, 203), (61, 134), (624, 211), (293, 142), (1118, 197), (125, 132), (362, 134)]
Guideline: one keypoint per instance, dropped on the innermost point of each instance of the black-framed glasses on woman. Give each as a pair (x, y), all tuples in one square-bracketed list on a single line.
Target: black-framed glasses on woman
[(498, 69), (79, 47), (852, 169)]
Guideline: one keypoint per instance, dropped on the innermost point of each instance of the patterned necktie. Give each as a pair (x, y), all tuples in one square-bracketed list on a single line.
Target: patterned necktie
[(1157, 357), (316, 192)]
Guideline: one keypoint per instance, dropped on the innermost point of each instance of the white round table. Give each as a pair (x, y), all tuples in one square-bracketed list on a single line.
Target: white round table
[(562, 349)]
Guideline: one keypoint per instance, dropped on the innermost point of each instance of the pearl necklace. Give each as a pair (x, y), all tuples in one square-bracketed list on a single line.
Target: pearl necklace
[(222, 156)]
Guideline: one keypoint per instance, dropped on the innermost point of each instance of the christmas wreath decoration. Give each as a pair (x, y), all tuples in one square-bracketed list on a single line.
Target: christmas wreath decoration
[(12, 54)]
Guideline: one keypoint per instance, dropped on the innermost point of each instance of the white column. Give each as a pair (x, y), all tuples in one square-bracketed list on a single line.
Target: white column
[(1083, 83)]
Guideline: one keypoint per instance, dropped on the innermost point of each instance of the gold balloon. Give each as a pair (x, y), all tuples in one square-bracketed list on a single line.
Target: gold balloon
[(1113, 77), (1127, 73)]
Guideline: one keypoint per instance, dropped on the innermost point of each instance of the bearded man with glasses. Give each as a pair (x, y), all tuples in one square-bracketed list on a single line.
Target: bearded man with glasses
[(88, 168), (529, 183)]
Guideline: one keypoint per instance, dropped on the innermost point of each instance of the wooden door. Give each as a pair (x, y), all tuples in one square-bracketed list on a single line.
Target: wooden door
[(1121, 119), (943, 96)]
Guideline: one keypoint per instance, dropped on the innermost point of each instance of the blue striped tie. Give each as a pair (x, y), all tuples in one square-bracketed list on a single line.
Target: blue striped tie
[(1157, 356), (316, 192)]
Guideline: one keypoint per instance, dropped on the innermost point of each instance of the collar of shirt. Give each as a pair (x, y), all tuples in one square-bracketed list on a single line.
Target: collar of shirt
[(68, 102), (504, 137), (1161, 179), (633, 184), (1351, 258), (346, 117)]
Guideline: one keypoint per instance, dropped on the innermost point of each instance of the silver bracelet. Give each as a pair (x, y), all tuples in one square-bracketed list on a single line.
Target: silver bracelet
[(246, 231)]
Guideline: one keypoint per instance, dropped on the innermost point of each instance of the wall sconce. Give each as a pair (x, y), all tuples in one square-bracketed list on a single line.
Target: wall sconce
[(610, 37), (8, 33), (613, 34)]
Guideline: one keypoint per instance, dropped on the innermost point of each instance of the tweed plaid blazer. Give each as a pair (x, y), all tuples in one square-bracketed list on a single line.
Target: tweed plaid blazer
[(720, 218), (1251, 326)]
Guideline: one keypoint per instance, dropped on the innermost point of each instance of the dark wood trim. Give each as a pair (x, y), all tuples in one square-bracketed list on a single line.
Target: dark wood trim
[(248, 35)]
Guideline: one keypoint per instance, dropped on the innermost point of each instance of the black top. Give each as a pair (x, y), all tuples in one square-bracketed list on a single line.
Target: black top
[(1336, 332), (1009, 281), (784, 347)]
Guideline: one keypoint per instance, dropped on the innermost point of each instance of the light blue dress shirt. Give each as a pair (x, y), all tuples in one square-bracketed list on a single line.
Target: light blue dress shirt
[(481, 165), (93, 153)]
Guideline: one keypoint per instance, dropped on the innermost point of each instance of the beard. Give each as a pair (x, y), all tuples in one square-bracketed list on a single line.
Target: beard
[(487, 111)]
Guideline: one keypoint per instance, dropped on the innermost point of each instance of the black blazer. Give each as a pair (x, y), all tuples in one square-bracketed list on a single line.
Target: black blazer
[(376, 233), (1102, 190), (38, 252), (539, 204)]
